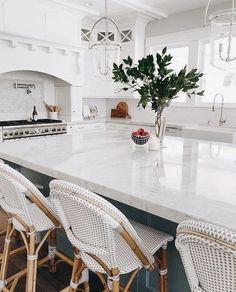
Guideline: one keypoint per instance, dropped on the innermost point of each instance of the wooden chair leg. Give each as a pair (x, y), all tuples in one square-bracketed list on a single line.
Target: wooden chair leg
[(115, 280), (52, 251), (115, 286), (32, 259), (5, 257), (76, 273), (130, 281), (163, 270)]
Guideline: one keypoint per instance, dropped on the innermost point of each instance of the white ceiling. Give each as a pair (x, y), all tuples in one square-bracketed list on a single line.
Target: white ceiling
[(153, 8)]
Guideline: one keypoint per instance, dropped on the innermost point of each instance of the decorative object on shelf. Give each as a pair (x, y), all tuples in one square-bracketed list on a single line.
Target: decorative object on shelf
[(156, 83), (121, 111), (90, 111), (223, 37), (140, 137), (106, 45), (53, 111), (93, 111)]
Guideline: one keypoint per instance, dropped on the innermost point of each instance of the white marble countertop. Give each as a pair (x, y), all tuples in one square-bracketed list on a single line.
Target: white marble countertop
[(188, 178)]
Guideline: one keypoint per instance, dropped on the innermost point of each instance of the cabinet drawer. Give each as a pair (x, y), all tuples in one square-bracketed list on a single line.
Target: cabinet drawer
[(123, 127)]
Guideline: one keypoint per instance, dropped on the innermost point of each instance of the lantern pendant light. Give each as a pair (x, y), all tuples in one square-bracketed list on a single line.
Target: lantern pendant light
[(105, 42), (223, 37)]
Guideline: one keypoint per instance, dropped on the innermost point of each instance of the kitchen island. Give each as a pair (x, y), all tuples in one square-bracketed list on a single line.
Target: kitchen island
[(187, 179)]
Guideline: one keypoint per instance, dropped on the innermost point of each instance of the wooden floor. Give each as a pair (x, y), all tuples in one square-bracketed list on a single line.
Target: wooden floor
[(47, 282)]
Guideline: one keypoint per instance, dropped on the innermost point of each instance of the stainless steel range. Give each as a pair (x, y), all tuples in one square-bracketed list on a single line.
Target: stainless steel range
[(11, 130)]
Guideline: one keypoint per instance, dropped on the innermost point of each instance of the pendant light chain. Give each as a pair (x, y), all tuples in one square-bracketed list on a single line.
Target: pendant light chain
[(106, 22)]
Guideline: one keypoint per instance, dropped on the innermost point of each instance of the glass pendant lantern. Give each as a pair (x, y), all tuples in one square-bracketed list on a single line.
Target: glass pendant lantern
[(223, 38), (105, 42)]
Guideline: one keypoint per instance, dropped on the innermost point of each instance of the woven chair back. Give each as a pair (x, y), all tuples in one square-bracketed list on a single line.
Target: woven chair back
[(93, 224), (208, 253), (17, 194)]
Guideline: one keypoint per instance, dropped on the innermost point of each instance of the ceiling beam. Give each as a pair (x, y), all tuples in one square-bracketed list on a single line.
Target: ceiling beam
[(143, 8)]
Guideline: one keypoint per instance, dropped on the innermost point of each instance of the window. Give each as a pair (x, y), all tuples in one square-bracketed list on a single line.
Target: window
[(126, 36), (101, 36), (180, 59), (216, 80), (85, 34)]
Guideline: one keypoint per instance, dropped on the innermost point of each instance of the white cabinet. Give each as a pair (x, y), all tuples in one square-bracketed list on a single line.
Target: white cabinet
[(86, 127)]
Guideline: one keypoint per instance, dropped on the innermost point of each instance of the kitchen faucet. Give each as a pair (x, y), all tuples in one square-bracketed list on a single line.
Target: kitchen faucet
[(221, 120)]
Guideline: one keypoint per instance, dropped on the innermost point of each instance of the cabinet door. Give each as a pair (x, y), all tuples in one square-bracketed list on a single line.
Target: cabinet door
[(98, 126)]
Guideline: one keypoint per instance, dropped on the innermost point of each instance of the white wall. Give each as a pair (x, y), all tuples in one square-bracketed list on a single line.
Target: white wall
[(16, 104)]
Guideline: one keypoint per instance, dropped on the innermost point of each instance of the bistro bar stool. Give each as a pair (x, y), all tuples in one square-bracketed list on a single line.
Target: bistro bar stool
[(29, 213), (208, 253), (105, 240), (3, 232)]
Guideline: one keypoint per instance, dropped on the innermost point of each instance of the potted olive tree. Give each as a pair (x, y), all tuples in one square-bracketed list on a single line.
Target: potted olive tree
[(156, 83)]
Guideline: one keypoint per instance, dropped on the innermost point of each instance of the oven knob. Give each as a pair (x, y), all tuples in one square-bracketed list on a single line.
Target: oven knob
[(21, 132), (27, 132), (32, 132), (16, 133), (63, 129), (53, 130), (58, 129), (37, 131), (46, 130), (5, 134), (11, 133)]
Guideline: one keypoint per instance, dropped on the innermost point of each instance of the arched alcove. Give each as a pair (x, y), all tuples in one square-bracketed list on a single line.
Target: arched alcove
[(16, 103)]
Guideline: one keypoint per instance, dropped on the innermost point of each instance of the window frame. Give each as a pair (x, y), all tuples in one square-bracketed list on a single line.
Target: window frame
[(173, 46), (195, 39)]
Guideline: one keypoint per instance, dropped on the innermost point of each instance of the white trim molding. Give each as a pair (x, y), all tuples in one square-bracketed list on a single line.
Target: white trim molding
[(145, 9)]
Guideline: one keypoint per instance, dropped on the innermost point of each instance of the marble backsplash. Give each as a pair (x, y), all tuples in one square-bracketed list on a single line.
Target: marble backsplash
[(16, 100), (15, 103)]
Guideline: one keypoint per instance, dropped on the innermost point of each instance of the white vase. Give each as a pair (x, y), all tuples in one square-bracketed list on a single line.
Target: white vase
[(53, 115), (154, 143)]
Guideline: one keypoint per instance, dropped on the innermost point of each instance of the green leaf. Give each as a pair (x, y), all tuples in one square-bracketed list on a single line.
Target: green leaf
[(164, 51)]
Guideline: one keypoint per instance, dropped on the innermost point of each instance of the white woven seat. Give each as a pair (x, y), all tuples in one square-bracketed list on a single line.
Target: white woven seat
[(106, 240), (152, 239), (208, 253), (30, 213)]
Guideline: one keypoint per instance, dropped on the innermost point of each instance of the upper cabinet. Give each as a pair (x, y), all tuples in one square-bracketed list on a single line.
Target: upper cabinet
[(42, 20)]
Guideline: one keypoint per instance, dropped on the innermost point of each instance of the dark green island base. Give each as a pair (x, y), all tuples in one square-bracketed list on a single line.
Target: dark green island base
[(145, 281)]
